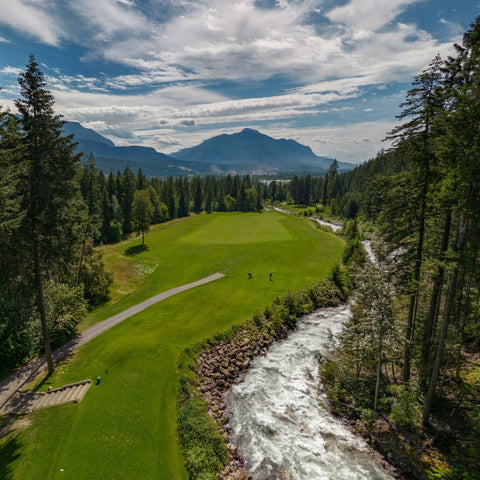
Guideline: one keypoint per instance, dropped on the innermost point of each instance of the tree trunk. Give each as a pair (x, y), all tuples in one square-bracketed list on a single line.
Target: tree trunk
[(449, 303), (464, 313), (416, 278), (41, 305), (434, 307), (379, 371), (82, 253)]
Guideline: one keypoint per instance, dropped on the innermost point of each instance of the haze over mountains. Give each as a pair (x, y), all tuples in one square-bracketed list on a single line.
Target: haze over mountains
[(248, 151)]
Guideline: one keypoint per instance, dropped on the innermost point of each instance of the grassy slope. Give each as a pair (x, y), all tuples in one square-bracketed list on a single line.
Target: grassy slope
[(125, 428)]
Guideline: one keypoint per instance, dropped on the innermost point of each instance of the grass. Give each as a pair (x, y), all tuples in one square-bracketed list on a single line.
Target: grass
[(125, 428)]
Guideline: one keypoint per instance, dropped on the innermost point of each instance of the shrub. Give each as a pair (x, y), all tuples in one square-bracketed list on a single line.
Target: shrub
[(203, 445), (406, 406)]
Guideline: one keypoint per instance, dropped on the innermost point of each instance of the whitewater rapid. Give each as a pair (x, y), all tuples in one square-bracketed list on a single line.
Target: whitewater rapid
[(279, 423)]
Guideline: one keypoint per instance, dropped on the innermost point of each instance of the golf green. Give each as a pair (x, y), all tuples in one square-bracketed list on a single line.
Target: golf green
[(125, 427)]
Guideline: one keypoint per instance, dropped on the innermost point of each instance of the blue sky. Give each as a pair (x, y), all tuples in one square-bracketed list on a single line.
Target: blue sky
[(171, 73)]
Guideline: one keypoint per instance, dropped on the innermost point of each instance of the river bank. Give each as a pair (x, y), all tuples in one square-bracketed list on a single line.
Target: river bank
[(280, 418), (208, 371)]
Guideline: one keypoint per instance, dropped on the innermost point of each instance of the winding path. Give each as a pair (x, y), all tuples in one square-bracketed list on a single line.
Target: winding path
[(13, 383)]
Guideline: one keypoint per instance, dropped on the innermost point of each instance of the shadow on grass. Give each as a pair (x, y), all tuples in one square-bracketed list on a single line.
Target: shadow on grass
[(45, 380), (136, 249), (9, 452)]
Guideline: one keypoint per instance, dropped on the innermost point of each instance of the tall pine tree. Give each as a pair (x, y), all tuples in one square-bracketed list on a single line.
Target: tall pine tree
[(47, 185)]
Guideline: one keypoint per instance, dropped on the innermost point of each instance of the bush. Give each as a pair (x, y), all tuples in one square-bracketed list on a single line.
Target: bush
[(114, 232), (353, 252), (203, 445), (338, 277), (406, 406), (65, 308)]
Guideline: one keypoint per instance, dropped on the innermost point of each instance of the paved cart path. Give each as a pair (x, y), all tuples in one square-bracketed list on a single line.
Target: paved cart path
[(12, 384)]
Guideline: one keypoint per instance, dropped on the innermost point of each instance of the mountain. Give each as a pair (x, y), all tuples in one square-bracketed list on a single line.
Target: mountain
[(250, 151), (109, 157)]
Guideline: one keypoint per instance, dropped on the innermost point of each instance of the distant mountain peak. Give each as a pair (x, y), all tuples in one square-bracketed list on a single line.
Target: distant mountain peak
[(250, 151), (87, 134), (246, 151), (251, 131)]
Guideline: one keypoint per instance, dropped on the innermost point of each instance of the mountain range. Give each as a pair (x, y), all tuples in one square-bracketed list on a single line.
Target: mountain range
[(248, 151)]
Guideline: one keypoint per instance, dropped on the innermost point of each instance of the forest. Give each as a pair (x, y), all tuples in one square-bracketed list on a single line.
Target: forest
[(410, 351)]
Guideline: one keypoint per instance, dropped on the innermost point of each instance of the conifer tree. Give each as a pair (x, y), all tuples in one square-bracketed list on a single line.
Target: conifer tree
[(128, 186), (183, 198), (422, 104), (170, 199), (197, 195), (142, 212), (47, 186)]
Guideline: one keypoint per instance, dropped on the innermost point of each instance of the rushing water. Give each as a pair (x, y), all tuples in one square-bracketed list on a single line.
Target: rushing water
[(280, 426), (367, 245), (333, 226)]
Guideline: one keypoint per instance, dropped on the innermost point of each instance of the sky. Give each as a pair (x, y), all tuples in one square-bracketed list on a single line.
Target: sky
[(169, 74)]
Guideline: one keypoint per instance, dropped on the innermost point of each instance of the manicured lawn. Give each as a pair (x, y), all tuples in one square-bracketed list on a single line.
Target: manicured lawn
[(125, 428)]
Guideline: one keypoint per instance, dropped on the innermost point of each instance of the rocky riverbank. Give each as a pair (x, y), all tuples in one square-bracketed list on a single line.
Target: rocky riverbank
[(227, 361), (218, 368)]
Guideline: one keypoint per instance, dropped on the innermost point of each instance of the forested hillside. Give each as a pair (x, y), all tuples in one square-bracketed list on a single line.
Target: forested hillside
[(410, 351)]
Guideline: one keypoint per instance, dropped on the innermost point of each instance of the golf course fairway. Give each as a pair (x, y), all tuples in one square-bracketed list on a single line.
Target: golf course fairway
[(125, 427)]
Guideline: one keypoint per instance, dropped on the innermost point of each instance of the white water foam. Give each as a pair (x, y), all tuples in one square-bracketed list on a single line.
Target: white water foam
[(333, 226), (367, 245), (281, 428)]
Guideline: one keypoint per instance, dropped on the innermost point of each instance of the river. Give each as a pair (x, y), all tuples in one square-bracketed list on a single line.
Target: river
[(280, 425)]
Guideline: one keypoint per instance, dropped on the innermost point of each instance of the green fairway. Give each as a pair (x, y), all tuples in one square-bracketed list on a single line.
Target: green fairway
[(237, 229), (125, 428)]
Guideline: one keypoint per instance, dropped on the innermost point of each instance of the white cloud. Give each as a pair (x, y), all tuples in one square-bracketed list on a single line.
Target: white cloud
[(368, 15), (32, 20), (107, 20), (9, 70), (213, 40), (179, 56), (216, 40), (353, 142), (179, 106)]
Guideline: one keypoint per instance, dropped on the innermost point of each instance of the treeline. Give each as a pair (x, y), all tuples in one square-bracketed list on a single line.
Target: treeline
[(333, 192), (117, 208), (50, 273), (416, 321), (307, 190)]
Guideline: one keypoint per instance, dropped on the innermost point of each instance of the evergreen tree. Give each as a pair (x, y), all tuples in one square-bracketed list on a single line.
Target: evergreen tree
[(142, 212), (242, 204), (170, 198), (128, 187), (421, 106), (141, 180), (183, 198), (48, 188), (458, 146), (197, 195)]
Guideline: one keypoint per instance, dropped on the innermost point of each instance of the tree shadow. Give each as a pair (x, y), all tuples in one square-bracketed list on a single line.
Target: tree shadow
[(9, 453), (136, 249), (45, 380)]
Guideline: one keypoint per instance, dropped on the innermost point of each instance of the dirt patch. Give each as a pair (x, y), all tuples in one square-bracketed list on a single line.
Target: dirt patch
[(15, 424)]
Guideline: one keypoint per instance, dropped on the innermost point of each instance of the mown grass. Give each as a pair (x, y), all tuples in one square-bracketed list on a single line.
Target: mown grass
[(125, 428)]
